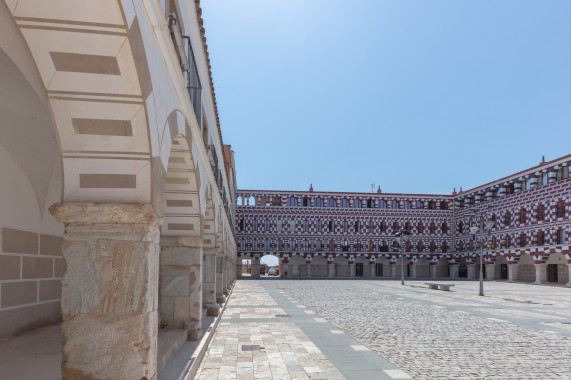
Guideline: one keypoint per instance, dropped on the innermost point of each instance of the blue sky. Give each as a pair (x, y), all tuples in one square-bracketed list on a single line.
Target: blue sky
[(414, 96)]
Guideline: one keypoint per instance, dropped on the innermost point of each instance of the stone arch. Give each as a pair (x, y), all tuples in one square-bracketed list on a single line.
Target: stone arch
[(526, 268), (96, 89), (181, 201)]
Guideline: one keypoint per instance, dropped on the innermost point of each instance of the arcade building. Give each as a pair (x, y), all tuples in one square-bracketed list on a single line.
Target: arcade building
[(332, 234)]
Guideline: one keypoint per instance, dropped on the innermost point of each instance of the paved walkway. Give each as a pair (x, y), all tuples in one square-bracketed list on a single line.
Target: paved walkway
[(265, 334)]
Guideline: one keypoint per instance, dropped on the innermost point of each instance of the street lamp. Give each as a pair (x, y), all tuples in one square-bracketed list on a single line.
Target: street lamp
[(479, 215), (402, 236)]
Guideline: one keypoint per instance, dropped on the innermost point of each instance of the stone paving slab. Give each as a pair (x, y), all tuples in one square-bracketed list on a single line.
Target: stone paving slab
[(252, 343)]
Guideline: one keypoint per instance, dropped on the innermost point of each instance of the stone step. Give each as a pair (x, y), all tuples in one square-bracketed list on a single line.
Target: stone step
[(169, 342)]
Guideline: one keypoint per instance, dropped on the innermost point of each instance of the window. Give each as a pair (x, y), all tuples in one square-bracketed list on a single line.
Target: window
[(540, 238), (383, 227), (444, 247), (344, 202), (540, 212), (460, 227), (542, 179), (331, 226), (443, 205), (522, 216), (525, 184), (370, 203), (279, 225), (522, 240), (461, 203), (241, 224), (292, 201), (444, 228), (407, 226), (318, 245), (331, 245), (507, 218), (560, 209), (498, 192), (406, 204), (432, 228), (370, 227), (357, 226), (431, 205), (255, 225), (318, 202), (318, 226), (562, 173), (510, 189), (395, 226), (394, 204), (461, 246), (561, 236), (382, 204), (420, 247), (432, 246), (356, 203), (292, 226), (344, 226), (331, 202), (267, 225), (305, 226), (306, 202), (418, 204), (420, 228), (507, 241)]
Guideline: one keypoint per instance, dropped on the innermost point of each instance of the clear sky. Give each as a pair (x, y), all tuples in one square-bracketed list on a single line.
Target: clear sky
[(414, 96)]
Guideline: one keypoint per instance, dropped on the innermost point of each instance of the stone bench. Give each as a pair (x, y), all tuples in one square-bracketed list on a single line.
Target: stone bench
[(434, 286)]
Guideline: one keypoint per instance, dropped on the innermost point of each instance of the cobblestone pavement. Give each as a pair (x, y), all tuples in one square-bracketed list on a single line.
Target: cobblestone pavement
[(285, 352), (518, 331)]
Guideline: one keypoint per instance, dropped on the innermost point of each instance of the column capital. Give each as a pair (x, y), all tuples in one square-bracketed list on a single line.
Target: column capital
[(181, 241), (105, 213)]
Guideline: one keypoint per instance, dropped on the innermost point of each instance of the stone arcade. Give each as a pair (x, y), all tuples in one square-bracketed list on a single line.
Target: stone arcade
[(117, 193)]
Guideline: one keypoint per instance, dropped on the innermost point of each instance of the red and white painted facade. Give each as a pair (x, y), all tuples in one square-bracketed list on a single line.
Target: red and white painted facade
[(329, 234)]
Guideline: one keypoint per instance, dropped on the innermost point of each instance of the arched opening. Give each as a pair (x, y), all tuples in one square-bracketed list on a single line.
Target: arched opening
[(382, 267), (442, 267), (297, 266), (251, 201), (423, 267), (246, 266), (526, 268), (270, 266), (340, 266), (462, 268), (402, 261), (31, 181), (362, 267), (319, 266), (501, 268), (557, 268)]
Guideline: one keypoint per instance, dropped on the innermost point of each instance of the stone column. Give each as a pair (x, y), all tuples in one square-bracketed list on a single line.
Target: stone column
[(180, 284), (453, 270), (239, 268), (393, 270), (352, 269), (284, 269), (220, 264), (413, 269), (308, 268), (432, 269), (109, 290), (330, 270), (540, 273), (490, 272), (512, 272), (471, 271), (227, 280), (256, 265), (371, 269), (569, 283), (209, 282)]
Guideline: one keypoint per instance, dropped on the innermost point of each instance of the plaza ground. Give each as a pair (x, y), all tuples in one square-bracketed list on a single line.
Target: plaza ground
[(379, 329)]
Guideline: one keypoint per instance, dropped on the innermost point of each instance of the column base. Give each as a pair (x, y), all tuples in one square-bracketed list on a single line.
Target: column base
[(220, 298), (194, 330), (226, 292), (212, 309)]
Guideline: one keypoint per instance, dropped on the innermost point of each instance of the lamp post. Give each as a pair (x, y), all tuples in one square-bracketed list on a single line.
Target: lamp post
[(479, 216), (402, 236)]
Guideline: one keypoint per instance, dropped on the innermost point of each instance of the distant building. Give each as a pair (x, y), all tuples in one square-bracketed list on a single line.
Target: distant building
[(332, 234)]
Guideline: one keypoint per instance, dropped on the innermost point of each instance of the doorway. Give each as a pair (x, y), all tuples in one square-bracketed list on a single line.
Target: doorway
[(552, 273), (379, 270), (504, 271), (359, 269)]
